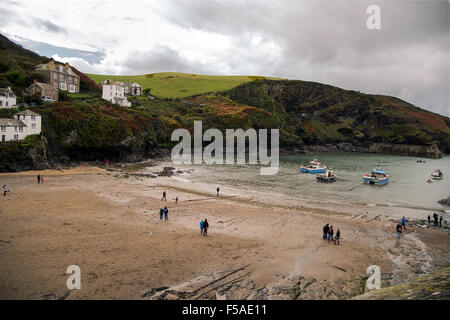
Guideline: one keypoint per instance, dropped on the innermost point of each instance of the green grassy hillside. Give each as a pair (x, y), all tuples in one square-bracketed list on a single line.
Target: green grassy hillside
[(180, 85)]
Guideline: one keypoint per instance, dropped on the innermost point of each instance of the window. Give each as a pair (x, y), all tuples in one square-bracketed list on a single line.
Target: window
[(33, 117), (33, 125), (20, 129), (16, 128), (3, 128), (6, 103), (16, 137), (3, 137), (1, 102)]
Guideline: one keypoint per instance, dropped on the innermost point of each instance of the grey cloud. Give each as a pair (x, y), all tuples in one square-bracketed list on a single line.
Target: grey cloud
[(49, 26), (161, 59), (328, 41)]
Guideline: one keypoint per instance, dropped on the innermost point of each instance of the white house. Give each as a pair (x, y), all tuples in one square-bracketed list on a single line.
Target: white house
[(7, 98), (133, 89), (114, 92), (25, 123)]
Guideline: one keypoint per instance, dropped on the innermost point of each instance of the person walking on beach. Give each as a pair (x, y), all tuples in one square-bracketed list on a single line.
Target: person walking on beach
[(325, 231), (166, 213), (429, 220), (205, 227), (201, 227), (164, 196), (435, 216), (440, 222), (403, 223), (218, 189), (39, 178), (5, 190), (399, 230), (330, 234), (161, 213), (176, 200), (338, 235)]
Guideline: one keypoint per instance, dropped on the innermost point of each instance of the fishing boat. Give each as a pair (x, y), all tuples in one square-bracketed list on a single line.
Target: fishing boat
[(437, 174), (328, 176), (377, 177), (314, 167)]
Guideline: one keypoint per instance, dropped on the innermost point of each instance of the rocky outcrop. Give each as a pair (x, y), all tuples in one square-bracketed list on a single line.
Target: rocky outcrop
[(445, 201), (434, 286)]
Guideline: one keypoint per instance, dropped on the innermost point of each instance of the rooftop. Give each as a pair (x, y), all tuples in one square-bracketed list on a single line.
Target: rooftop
[(11, 123), (27, 112)]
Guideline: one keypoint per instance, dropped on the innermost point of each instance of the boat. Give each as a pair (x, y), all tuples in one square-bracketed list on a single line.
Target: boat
[(421, 161), (377, 177), (328, 176), (314, 167), (437, 174)]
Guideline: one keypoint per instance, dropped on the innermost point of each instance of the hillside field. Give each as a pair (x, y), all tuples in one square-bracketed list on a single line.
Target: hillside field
[(180, 85)]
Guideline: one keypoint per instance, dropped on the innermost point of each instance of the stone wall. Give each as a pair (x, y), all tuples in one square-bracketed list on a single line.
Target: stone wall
[(406, 150)]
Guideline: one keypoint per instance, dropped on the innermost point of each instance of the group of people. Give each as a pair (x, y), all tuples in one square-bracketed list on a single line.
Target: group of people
[(328, 234), (436, 218), (164, 212), (204, 227)]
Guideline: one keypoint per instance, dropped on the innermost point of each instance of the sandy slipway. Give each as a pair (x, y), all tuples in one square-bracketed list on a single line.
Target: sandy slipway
[(107, 222)]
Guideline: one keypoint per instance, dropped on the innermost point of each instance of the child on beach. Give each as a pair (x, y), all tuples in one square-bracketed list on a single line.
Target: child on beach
[(176, 200), (205, 227), (5, 190), (403, 223), (338, 235), (161, 213), (201, 227), (330, 234)]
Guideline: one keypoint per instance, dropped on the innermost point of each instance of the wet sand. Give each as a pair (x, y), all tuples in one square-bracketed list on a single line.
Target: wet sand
[(101, 221)]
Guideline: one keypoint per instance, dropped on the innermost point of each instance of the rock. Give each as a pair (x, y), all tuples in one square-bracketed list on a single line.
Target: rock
[(445, 201), (167, 172)]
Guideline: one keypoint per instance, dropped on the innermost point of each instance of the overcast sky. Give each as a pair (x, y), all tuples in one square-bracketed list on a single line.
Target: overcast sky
[(323, 41)]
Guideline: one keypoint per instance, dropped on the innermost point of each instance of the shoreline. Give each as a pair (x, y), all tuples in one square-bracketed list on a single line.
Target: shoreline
[(282, 244)]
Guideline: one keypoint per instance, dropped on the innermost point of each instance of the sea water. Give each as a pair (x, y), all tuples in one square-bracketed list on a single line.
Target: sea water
[(408, 192)]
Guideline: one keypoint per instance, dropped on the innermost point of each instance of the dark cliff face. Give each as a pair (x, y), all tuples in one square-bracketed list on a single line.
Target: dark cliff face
[(323, 114)]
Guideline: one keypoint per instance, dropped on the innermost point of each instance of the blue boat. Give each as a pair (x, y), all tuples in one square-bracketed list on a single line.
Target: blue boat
[(329, 176), (314, 167), (377, 177)]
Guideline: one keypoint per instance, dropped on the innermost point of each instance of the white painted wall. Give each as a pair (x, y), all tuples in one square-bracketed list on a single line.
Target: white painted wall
[(7, 101)]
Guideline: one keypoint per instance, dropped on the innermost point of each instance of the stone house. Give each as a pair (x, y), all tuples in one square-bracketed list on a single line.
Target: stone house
[(60, 76), (43, 90)]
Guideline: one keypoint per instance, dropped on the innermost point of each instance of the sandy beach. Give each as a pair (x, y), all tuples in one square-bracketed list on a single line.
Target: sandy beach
[(107, 222)]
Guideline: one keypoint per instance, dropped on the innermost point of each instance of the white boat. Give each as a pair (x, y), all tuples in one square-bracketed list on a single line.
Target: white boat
[(437, 174), (328, 176), (377, 177), (314, 167)]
